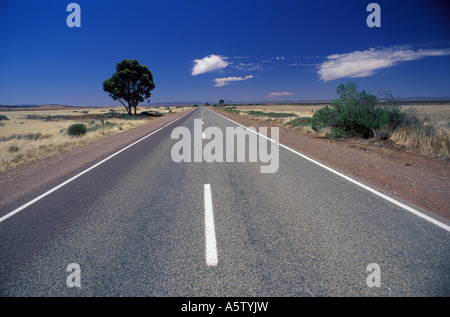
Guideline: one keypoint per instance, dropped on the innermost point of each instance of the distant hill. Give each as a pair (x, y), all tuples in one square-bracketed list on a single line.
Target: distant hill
[(419, 99), (404, 100), (33, 107)]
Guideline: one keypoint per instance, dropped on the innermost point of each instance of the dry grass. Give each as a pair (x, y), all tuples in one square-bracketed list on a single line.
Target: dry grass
[(433, 112), (427, 139), (430, 137), (24, 140), (306, 110)]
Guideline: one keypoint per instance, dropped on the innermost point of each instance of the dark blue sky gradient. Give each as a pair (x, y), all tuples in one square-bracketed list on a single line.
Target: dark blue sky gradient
[(44, 61)]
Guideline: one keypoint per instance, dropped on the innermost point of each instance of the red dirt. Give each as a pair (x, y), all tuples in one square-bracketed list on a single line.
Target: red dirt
[(409, 175)]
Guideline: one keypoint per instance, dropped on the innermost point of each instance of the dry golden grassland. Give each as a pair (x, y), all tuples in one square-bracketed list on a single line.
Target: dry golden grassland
[(431, 137), (301, 111), (306, 110), (30, 135)]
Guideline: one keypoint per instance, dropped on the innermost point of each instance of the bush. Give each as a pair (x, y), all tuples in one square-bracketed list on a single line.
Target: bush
[(77, 130), (337, 133), (299, 122), (232, 109), (357, 114), (271, 114), (13, 149), (323, 117), (3, 117)]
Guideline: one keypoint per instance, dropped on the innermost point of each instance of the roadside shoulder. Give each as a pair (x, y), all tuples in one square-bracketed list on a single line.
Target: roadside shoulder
[(414, 177), (23, 180)]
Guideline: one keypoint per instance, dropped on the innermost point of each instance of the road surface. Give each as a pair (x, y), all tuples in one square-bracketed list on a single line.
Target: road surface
[(140, 224)]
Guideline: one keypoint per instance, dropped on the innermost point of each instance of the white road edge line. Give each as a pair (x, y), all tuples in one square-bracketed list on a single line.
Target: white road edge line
[(210, 231), (390, 199), (31, 202)]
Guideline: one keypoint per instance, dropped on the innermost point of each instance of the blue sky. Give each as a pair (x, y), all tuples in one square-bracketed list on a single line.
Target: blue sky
[(233, 50)]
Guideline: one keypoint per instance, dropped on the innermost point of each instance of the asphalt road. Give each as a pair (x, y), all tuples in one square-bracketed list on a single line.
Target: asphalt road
[(136, 226)]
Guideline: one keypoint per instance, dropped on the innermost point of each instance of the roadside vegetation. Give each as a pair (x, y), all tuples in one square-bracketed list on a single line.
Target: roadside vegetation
[(427, 137), (131, 84), (27, 134), (359, 115), (31, 135)]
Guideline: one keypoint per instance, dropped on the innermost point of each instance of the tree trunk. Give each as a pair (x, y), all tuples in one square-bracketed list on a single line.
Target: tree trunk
[(129, 109)]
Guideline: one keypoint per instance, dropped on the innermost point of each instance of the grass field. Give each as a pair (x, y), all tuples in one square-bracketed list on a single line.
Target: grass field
[(33, 134), (435, 112), (431, 136), (306, 110)]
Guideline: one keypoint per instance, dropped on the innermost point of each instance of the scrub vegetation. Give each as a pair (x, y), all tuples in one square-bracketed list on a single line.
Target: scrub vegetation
[(31, 134), (423, 126)]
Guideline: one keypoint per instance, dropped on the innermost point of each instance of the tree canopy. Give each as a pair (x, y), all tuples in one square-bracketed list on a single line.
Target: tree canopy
[(130, 84)]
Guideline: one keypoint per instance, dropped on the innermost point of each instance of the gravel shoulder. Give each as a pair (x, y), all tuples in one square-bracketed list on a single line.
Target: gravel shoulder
[(19, 182), (414, 177)]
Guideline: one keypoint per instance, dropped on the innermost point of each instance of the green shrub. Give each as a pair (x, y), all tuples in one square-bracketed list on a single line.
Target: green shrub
[(337, 133), (323, 117), (28, 136), (232, 109), (256, 113), (357, 114), (299, 122), (103, 125), (77, 130), (13, 149)]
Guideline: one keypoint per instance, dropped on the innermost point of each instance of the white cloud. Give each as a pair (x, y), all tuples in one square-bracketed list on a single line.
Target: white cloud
[(209, 63), (225, 81), (366, 63), (302, 64), (276, 58), (278, 94), (248, 66)]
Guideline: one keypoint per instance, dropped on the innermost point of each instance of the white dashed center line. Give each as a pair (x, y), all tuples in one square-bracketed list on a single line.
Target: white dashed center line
[(210, 231)]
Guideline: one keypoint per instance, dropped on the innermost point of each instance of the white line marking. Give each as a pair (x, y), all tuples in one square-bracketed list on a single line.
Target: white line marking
[(390, 199), (262, 135), (31, 202), (210, 232)]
